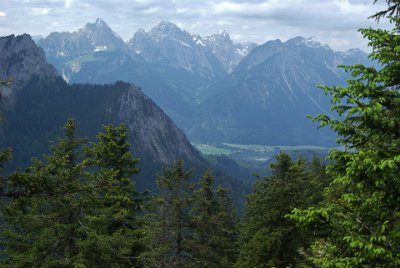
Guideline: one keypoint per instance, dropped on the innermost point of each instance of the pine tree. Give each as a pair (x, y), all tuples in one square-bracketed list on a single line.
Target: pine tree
[(359, 225), (213, 219)]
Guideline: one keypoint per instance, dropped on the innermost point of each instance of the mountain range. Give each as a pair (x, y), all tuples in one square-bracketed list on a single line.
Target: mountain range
[(268, 95), (173, 67), (214, 89)]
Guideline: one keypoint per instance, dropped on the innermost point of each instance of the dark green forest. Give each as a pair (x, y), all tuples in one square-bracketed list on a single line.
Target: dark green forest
[(78, 206)]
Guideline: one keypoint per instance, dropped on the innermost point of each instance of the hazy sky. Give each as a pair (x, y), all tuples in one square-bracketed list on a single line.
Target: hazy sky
[(334, 22)]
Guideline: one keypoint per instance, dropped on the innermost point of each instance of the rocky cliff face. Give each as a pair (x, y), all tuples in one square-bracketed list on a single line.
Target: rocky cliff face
[(20, 59), (152, 129)]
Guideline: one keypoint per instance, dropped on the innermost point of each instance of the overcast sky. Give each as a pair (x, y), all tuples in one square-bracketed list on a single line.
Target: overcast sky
[(334, 22)]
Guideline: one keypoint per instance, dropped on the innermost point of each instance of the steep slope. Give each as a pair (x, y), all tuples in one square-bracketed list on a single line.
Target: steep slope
[(267, 97), (44, 104)]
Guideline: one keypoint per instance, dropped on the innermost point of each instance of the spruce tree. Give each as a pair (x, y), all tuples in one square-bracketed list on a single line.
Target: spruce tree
[(168, 228), (267, 237), (213, 219), (70, 211), (43, 211), (317, 181), (359, 225), (112, 223)]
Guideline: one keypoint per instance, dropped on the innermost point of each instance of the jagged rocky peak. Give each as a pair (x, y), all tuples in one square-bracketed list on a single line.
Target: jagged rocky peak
[(199, 40), (100, 23), (140, 32), (21, 58), (139, 36), (166, 29), (93, 37), (141, 43), (355, 51), (227, 52), (220, 35), (222, 32), (99, 32), (221, 38), (99, 26)]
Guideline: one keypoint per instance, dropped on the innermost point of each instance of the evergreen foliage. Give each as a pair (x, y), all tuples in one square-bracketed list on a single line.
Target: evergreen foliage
[(42, 219), (112, 226), (267, 237), (214, 222), (359, 225), (187, 228), (5, 154), (71, 211), (168, 229)]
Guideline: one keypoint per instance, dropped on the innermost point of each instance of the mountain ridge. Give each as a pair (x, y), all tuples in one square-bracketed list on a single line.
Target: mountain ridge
[(44, 102)]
